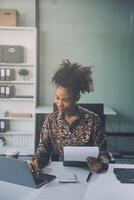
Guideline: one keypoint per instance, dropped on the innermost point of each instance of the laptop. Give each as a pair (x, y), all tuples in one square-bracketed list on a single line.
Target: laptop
[(18, 172)]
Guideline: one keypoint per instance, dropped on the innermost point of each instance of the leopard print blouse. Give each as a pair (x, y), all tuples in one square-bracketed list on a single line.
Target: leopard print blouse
[(56, 133)]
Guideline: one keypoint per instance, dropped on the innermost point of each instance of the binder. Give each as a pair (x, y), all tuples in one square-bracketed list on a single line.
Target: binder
[(9, 91), (9, 74), (2, 126), (2, 74), (2, 91)]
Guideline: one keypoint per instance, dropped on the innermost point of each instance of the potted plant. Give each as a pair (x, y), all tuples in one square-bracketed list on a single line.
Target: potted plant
[(23, 73)]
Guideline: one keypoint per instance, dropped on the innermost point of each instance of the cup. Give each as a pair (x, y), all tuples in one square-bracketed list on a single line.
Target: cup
[(12, 153)]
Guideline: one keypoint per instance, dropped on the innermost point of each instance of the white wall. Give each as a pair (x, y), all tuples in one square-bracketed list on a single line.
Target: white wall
[(91, 32)]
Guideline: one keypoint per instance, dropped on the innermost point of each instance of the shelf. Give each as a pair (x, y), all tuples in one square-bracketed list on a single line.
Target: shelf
[(16, 65), (24, 91), (17, 82), (17, 118), (17, 28), (17, 132), (16, 99)]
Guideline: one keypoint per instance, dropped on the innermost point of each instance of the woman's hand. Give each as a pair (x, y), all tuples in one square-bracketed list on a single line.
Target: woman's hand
[(34, 166), (94, 164)]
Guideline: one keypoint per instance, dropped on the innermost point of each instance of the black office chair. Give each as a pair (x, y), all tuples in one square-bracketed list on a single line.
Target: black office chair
[(97, 108)]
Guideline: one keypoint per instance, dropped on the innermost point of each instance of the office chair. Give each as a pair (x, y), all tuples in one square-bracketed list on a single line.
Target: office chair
[(97, 108)]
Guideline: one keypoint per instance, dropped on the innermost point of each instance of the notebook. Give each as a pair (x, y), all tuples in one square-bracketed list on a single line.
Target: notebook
[(77, 155), (18, 172), (124, 175)]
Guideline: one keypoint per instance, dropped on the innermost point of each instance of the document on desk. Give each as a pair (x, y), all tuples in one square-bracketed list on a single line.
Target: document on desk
[(79, 153)]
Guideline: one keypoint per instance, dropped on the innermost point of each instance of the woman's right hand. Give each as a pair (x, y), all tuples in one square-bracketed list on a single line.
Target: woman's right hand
[(34, 166)]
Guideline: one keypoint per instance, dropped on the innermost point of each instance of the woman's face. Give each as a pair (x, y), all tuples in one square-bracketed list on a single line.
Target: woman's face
[(64, 99)]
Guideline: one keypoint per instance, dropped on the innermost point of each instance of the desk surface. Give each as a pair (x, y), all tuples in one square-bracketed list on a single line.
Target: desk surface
[(100, 187)]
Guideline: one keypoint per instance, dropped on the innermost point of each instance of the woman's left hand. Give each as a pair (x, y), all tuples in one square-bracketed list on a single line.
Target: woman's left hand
[(94, 164)]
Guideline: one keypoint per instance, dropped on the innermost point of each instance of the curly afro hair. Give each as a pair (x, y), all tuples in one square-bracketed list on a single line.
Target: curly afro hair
[(74, 77)]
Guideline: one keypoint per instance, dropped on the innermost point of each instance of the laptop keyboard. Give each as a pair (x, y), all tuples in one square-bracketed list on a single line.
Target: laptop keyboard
[(22, 157), (39, 178), (25, 157), (42, 178)]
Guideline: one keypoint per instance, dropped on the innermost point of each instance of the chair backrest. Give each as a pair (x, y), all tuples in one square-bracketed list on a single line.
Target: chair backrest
[(97, 108)]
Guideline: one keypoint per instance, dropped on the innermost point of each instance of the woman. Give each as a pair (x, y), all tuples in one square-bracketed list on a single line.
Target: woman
[(71, 125)]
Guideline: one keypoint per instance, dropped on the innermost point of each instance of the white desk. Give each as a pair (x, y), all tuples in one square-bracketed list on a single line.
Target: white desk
[(107, 187), (100, 187)]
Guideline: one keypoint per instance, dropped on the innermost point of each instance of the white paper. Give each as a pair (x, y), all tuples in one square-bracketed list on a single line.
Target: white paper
[(79, 153)]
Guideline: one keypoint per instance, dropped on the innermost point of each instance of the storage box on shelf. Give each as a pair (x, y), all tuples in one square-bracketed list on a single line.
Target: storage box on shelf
[(17, 94), (12, 54), (9, 17)]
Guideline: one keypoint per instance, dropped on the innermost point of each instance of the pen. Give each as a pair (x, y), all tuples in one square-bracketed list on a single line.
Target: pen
[(89, 176)]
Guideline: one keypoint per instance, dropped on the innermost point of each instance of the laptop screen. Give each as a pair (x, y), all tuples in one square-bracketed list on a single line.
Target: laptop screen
[(15, 171), (18, 172)]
